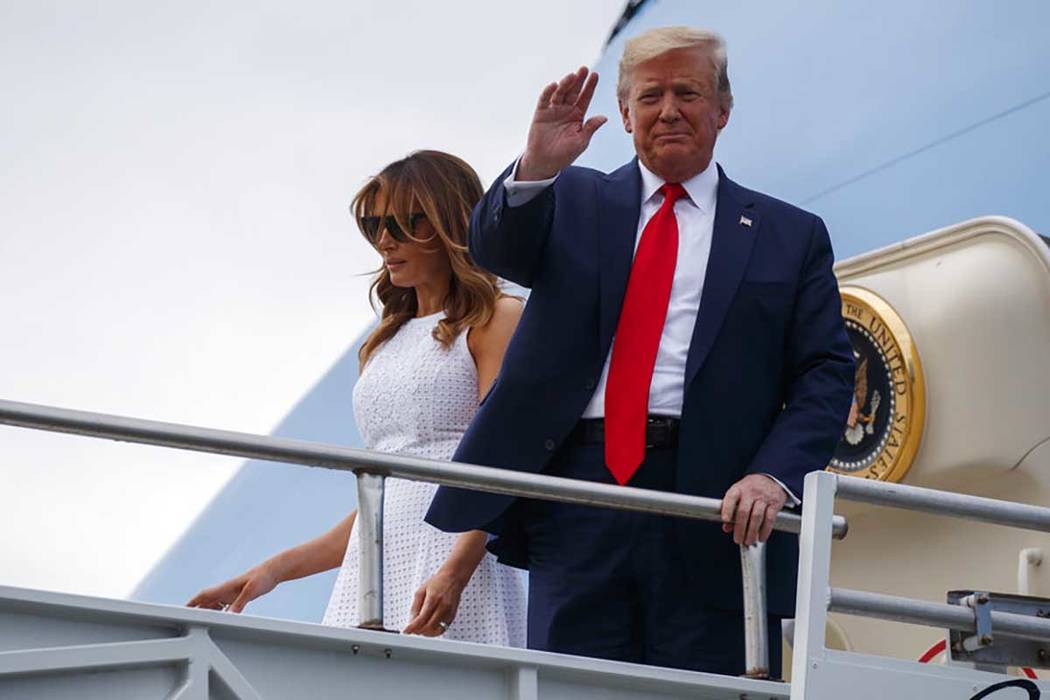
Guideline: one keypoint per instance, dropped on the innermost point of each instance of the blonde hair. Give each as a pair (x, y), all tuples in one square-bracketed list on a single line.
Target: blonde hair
[(445, 189), (654, 42)]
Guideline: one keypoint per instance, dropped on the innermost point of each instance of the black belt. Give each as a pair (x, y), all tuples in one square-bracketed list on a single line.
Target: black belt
[(660, 431)]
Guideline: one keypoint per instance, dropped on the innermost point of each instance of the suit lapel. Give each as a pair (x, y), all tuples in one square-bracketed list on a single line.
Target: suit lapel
[(619, 205), (736, 224)]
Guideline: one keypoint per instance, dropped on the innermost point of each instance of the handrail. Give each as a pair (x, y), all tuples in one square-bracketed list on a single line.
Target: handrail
[(315, 454), (958, 505), (921, 612), (372, 468), (817, 597)]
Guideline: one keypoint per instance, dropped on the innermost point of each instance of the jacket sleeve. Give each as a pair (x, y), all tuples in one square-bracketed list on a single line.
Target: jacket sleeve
[(509, 241), (818, 375)]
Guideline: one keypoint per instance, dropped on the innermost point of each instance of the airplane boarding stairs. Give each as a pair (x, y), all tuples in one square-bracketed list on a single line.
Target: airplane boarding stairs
[(56, 646), (64, 646)]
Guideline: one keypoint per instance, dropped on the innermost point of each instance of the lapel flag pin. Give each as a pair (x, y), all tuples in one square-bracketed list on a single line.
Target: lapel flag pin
[(745, 221)]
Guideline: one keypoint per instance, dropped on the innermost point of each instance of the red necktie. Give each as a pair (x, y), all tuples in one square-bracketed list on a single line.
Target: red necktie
[(638, 338)]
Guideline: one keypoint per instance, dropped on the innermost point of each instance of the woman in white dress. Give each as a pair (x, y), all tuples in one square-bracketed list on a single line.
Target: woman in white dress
[(435, 353)]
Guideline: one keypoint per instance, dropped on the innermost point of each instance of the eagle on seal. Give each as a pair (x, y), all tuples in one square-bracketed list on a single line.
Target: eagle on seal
[(860, 422)]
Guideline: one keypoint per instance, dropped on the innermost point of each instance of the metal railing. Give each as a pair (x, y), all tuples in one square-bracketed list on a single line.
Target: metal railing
[(372, 468), (816, 597), (987, 510)]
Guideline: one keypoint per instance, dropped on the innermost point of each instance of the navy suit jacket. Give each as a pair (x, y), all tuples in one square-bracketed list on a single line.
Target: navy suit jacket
[(769, 376)]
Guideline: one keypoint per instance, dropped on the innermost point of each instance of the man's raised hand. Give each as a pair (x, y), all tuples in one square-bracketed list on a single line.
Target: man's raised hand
[(558, 134)]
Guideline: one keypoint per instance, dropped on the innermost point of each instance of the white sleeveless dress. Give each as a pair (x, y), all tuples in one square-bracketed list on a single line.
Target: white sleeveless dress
[(415, 397)]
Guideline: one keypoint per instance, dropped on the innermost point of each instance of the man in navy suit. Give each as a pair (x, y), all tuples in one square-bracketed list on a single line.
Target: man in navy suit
[(683, 333)]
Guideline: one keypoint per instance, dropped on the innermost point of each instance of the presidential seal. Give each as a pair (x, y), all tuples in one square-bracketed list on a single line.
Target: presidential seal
[(889, 402)]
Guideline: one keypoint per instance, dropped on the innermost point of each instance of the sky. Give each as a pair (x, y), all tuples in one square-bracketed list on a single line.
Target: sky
[(174, 235)]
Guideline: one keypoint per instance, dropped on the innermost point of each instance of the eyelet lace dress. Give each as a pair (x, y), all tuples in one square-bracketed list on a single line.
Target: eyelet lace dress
[(417, 398)]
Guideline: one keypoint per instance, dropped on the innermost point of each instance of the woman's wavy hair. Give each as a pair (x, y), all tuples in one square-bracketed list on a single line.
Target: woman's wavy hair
[(445, 189)]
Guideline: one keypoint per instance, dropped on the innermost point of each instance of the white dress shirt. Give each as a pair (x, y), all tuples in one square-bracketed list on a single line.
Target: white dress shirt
[(696, 219)]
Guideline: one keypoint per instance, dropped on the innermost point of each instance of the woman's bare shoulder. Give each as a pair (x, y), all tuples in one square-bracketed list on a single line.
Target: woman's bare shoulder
[(505, 317)]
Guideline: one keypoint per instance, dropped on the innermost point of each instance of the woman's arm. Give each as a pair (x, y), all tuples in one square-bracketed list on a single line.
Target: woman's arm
[(319, 554), (488, 345), (437, 600)]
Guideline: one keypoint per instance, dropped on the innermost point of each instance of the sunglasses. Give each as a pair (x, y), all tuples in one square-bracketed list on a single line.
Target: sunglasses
[(371, 226)]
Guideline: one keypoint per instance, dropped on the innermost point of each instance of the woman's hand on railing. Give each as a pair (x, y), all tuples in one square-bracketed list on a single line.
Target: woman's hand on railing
[(319, 554), (234, 594)]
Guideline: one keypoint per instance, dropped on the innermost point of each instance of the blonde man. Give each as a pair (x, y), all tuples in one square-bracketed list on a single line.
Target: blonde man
[(683, 334)]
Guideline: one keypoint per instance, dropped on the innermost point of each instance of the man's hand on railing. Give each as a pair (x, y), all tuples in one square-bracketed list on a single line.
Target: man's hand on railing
[(238, 591), (750, 507)]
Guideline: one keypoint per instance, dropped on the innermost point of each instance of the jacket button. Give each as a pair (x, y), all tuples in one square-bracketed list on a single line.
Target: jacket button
[(549, 444)]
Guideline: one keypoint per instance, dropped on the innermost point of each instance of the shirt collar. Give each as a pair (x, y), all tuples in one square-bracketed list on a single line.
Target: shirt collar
[(702, 188)]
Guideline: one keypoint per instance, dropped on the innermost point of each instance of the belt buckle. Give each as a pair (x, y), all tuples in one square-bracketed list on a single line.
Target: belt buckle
[(652, 429), (658, 429)]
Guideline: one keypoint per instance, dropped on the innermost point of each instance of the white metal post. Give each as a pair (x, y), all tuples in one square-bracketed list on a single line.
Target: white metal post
[(756, 632), (814, 572), (369, 525)]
